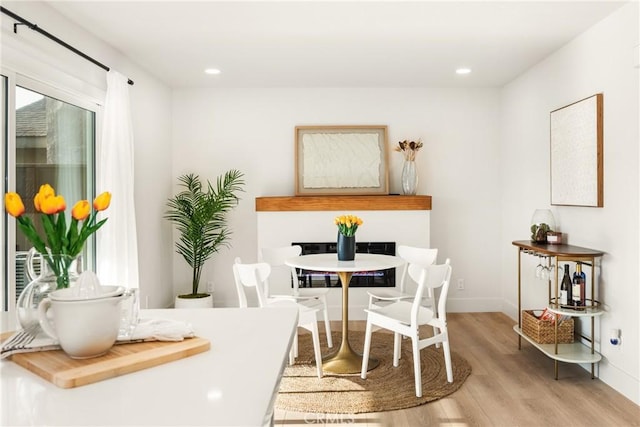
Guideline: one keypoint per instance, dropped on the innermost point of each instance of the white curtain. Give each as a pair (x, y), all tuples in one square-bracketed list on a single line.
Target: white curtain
[(117, 255)]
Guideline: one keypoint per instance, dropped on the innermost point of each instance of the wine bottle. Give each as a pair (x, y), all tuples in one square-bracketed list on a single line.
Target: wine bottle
[(576, 289), (565, 287), (579, 280)]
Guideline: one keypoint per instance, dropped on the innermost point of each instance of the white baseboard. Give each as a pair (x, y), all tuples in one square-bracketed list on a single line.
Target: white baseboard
[(454, 305), (619, 380), (474, 305)]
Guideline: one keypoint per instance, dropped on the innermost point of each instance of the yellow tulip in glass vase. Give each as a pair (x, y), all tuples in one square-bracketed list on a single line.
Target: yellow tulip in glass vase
[(59, 248)]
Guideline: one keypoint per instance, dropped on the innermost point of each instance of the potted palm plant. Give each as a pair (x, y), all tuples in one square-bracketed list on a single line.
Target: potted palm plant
[(200, 216)]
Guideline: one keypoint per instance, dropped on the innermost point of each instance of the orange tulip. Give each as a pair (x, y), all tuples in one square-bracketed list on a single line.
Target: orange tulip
[(81, 210), (102, 201), (45, 191), (13, 204), (52, 205)]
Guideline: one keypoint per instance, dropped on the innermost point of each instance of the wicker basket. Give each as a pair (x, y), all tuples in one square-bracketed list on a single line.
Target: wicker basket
[(542, 331)]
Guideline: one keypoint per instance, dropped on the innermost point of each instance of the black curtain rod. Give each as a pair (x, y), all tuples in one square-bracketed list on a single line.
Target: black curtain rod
[(50, 36)]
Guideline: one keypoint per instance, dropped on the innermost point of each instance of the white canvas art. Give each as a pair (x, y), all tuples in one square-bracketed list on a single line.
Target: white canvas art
[(330, 163), (576, 146)]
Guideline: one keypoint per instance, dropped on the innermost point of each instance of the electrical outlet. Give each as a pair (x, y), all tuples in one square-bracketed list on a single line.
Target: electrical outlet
[(461, 284), (210, 286), (615, 335)]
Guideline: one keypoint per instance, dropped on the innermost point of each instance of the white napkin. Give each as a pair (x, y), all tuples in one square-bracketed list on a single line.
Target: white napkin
[(159, 330), (146, 330), (40, 342)]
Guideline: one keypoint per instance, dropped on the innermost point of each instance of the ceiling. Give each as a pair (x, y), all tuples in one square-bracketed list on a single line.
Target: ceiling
[(336, 44)]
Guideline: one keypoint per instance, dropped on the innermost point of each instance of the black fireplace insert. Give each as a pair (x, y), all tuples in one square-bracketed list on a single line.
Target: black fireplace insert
[(362, 279)]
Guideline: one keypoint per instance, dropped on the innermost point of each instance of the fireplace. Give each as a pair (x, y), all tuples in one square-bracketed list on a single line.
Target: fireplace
[(320, 279), (282, 220)]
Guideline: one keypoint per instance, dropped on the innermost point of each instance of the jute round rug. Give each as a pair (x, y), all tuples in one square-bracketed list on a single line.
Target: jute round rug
[(386, 388)]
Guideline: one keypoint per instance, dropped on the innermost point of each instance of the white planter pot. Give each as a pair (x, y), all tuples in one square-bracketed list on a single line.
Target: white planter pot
[(206, 302)]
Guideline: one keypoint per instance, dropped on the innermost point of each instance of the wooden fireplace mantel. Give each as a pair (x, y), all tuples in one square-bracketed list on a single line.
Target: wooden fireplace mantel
[(339, 203)]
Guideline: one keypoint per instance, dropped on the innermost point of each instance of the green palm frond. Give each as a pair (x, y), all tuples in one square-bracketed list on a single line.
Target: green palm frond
[(200, 217)]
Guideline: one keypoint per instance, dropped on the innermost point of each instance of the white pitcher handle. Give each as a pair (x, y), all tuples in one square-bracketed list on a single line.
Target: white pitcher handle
[(44, 320), (31, 272)]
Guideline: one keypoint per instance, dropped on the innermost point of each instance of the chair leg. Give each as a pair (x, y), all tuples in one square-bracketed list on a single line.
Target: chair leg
[(447, 356), (294, 350), (316, 348), (365, 353), (396, 349), (327, 325), (436, 331), (416, 366)]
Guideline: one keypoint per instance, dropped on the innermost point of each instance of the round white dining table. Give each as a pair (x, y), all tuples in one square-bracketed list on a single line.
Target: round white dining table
[(345, 360)]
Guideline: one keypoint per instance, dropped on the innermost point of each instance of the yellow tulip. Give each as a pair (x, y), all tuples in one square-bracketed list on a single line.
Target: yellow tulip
[(45, 191), (81, 210), (102, 201), (52, 205), (13, 204)]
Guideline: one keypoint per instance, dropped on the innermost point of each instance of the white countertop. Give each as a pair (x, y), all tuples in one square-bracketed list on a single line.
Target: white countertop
[(234, 383)]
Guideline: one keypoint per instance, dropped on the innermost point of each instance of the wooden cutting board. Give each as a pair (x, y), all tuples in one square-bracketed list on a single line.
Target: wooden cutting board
[(55, 366)]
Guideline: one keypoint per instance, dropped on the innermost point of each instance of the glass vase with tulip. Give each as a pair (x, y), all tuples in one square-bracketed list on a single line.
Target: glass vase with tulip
[(60, 246)]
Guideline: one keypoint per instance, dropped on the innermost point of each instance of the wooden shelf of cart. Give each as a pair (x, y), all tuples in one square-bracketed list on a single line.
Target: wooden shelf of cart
[(576, 352)]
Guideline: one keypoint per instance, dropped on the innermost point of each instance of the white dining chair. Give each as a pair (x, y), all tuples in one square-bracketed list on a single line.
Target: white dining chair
[(404, 318), (276, 257), (255, 276), (412, 255), (379, 297)]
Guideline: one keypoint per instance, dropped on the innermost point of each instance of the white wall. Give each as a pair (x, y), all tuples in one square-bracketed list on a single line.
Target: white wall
[(34, 55), (253, 130), (600, 60)]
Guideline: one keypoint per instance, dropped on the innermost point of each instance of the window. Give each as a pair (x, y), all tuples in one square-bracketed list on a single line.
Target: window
[(50, 138)]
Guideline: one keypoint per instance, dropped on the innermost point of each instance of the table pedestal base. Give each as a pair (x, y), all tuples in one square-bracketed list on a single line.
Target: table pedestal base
[(346, 361)]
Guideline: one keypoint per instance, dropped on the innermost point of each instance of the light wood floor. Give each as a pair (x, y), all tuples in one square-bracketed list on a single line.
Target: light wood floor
[(506, 388)]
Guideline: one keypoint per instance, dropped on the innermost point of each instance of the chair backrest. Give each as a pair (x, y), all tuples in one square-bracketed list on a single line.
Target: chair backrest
[(430, 278), (251, 276), (415, 255), (276, 257)]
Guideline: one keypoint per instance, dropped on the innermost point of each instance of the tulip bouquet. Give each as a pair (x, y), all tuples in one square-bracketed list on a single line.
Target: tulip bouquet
[(409, 149), (60, 244), (347, 224)]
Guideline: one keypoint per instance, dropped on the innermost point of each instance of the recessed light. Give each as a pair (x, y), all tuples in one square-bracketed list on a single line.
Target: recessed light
[(463, 70), (212, 71)]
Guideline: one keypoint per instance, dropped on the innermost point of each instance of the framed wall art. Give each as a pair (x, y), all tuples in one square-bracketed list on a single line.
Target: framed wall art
[(577, 153), (341, 160)]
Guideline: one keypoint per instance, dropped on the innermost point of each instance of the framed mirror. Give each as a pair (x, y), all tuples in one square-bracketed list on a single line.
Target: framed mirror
[(340, 160), (577, 153)]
